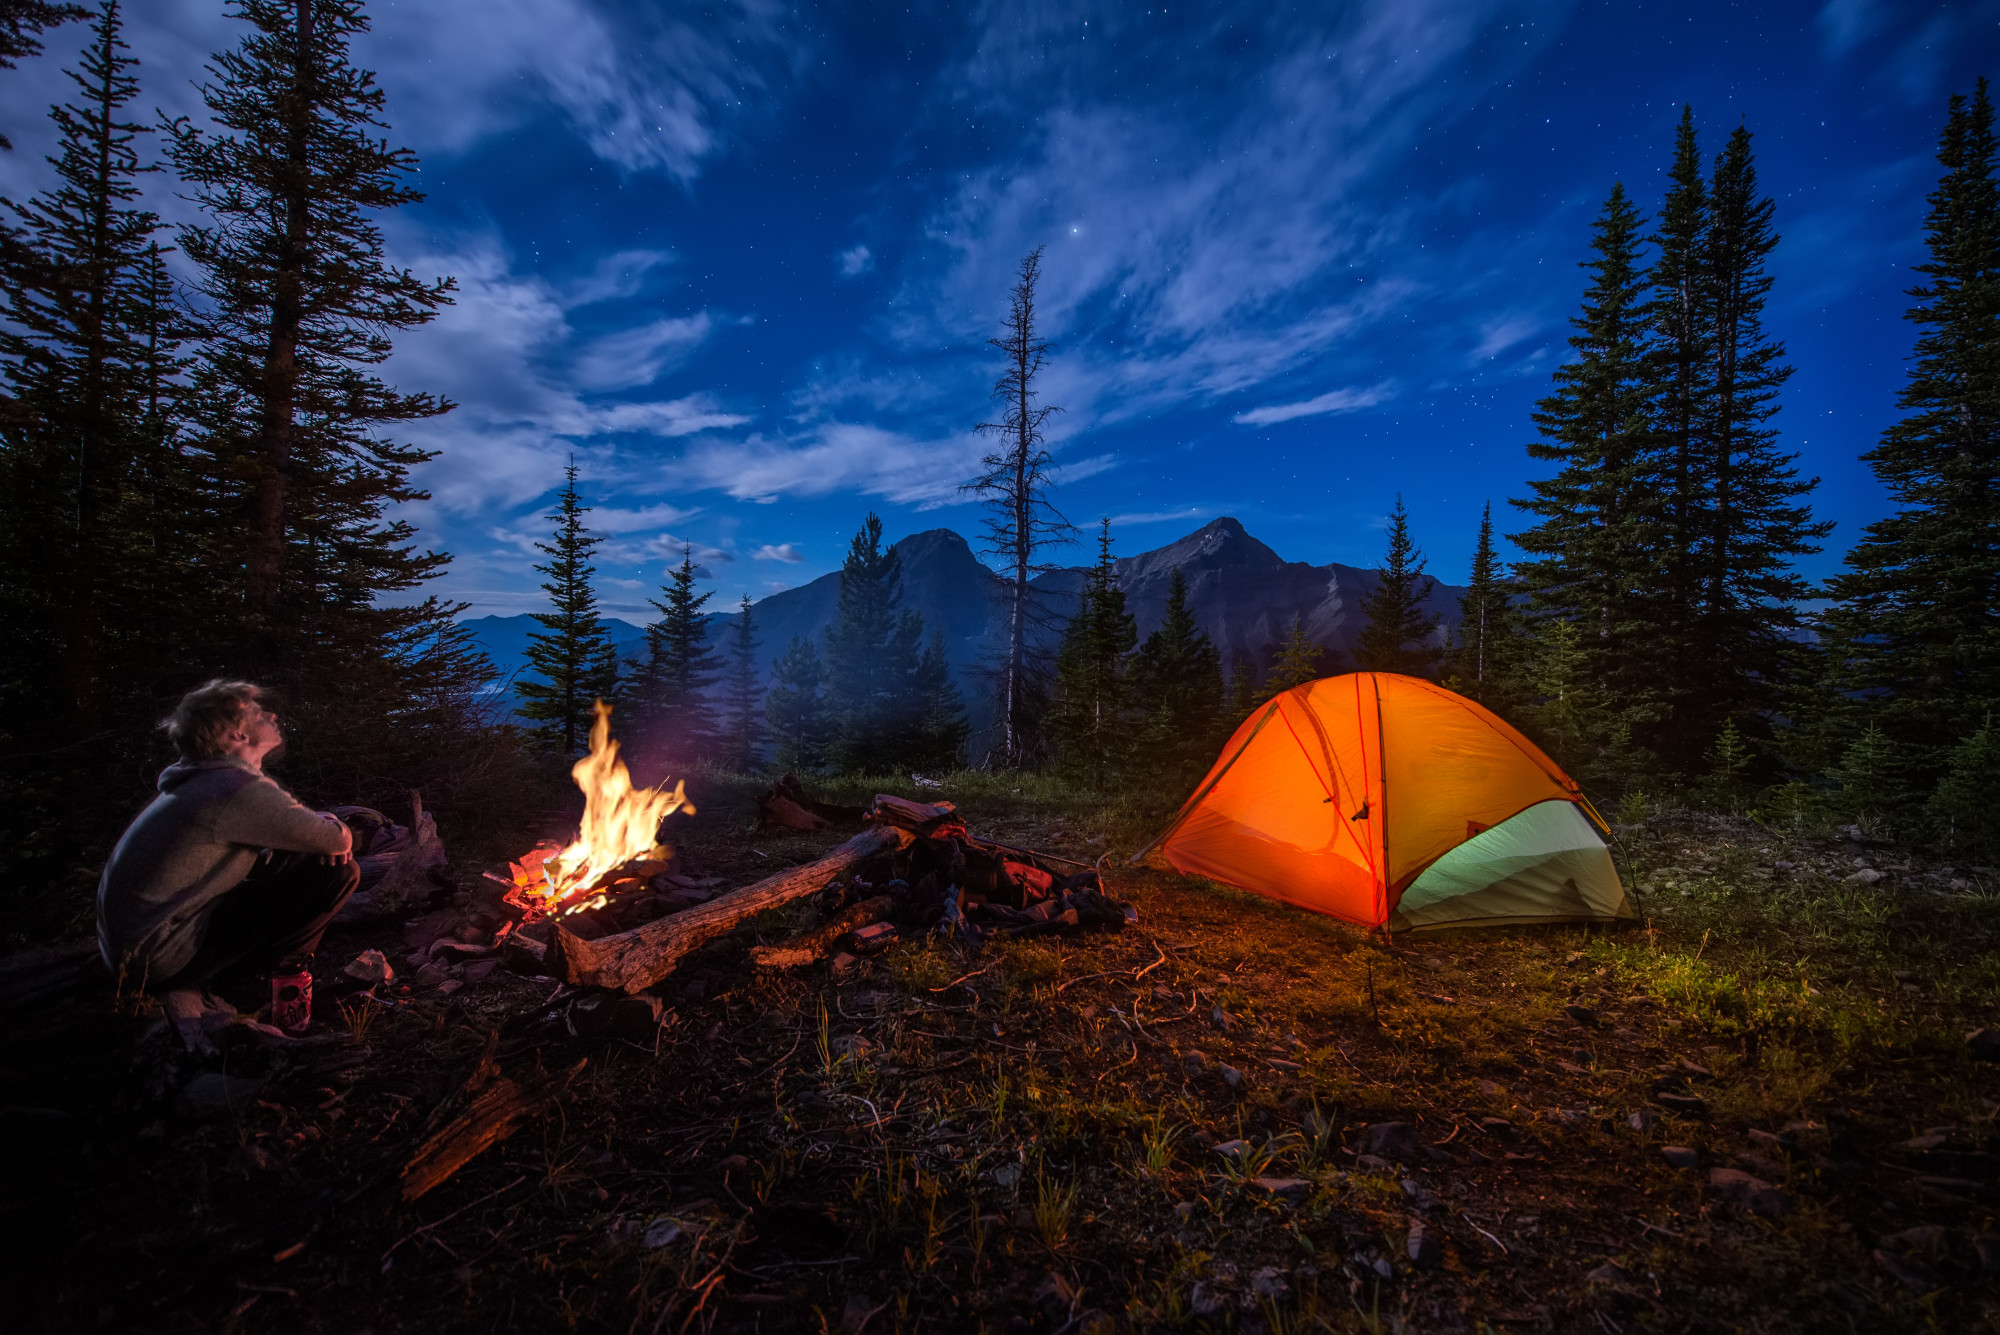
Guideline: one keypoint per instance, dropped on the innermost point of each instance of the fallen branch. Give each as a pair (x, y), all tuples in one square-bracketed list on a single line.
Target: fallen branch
[(633, 961), (808, 947), (496, 1109)]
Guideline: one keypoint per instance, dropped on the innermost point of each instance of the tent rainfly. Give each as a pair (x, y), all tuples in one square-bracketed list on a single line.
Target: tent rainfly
[(1391, 802)]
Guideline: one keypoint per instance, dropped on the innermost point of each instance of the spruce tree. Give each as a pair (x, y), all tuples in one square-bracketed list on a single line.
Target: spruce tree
[(1177, 682), (795, 710), (941, 726), (298, 307), (1594, 560), (1753, 528), (872, 651), (1869, 781), (1915, 630), (572, 654), (745, 729), (1021, 520), (1243, 694), (1397, 634), (1298, 662), (1485, 661), (679, 668), (21, 24), (1090, 718), (1962, 810)]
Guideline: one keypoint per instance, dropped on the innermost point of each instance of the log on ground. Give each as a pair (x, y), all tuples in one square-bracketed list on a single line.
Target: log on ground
[(633, 961), (498, 1106)]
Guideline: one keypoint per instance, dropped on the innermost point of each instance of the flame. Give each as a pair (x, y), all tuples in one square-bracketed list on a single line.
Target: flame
[(620, 825)]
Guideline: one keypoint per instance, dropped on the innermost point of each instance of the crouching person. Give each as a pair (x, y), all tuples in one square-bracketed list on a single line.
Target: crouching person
[(225, 875)]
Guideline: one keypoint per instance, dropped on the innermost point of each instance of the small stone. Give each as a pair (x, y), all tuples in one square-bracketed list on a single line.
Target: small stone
[(661, 1232), (449, 986), (1492, 1089), (1392, 1140), (1007, 1176), (1683, 1103), (431, 975), (1231, 1076), (1374, 1163), (1679, 1156), (480, 970), (1696, 1069), (1232, 1149), (1767, 1139), (1496, 1126), (1583, 1015), (1290, 1190), (1207, 1300), (842, 964), (1426, 1250), (1643, 1121), (1736, 1185), (1223, 1020), (1270, 1282), (1195, 1061), (1984, 1044), (1383, 1268), (1866, 876), (371, 967), (1184, 1210)]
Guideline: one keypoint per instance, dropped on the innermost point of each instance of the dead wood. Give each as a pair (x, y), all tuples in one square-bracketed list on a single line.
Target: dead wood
[(808, 947), (498, 1106), (633, 961), (785, 805)]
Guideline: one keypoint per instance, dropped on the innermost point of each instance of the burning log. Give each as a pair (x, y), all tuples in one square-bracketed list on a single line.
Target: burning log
[(633, 961), (810, 947)]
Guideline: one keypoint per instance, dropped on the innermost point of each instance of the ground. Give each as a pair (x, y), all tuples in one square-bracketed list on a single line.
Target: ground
[(1232, 1116)]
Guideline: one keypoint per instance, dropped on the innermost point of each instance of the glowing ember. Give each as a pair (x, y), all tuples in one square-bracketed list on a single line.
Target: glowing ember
[(620, 826)]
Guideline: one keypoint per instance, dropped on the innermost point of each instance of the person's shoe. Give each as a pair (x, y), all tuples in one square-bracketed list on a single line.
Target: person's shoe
[(292, 1001)]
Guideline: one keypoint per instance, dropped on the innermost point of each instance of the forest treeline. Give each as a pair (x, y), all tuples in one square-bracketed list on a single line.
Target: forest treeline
[(203, 475)]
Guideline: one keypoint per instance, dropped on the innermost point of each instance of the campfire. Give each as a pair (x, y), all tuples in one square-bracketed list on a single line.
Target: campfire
[(617, 845)]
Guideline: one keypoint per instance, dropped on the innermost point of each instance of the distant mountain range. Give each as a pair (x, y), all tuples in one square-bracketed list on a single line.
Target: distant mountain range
[(1243, 594)]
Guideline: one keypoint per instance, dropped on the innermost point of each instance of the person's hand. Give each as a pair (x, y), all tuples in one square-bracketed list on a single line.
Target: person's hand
[(335, 859)]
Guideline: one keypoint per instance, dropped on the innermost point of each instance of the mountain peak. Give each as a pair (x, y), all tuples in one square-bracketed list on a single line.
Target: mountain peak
[(1219, 543)]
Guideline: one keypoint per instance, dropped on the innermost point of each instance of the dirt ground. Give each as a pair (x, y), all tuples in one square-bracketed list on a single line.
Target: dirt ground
[(1232, 1116)]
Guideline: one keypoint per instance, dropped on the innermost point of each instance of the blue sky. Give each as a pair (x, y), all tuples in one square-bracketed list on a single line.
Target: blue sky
[(741, 259)]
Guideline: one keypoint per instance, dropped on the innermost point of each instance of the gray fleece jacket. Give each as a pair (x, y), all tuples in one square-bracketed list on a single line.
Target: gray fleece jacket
[(198, 840)]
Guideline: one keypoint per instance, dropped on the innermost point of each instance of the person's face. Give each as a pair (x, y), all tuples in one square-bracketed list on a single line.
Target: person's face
[(257, 733)]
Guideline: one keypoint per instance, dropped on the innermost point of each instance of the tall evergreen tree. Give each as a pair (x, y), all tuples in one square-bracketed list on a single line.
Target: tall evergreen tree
[(941, 726), (872, 652), (1397, 634), (745, 729), (673, 681), (572, 654), (1753, 526), (1090, 717), (1021, 520), (1594, 559), (1177, 682), (1485, 663), (297, 307), (1243, 694), (1298, 662), (795, 710), (1915, 632), (22, 23)]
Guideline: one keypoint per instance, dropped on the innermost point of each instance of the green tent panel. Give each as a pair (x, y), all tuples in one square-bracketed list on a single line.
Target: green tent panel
[(1545, 865)]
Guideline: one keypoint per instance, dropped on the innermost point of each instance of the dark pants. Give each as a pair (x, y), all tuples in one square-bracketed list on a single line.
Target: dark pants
[(275, 917)]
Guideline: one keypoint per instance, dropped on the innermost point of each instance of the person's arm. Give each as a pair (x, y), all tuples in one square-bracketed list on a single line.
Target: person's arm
[(263, 815)]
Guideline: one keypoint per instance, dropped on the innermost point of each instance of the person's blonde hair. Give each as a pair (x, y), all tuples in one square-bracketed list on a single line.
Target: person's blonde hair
[(201, 723)]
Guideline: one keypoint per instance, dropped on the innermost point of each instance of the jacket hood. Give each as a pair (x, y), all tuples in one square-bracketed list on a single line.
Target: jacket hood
[(178, 773)]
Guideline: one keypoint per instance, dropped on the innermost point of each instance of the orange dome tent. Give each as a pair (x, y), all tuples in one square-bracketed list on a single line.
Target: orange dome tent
[(1389, 801)]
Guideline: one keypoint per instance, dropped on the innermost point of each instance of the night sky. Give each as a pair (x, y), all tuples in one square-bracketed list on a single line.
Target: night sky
[(741, 260)]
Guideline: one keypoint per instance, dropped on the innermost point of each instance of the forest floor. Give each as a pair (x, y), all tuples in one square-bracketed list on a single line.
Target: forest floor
[(1046, 1135)]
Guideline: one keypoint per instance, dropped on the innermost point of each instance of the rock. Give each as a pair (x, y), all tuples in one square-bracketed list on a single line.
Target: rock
[(213, 1093), (1696, 1069), (1866, 876), (1497, 1126), (1223, 1020), (431, 975), (1290, 1190), (1382, 1267), (1232, 1149), (661, 1232), (480, 970), (1735, 1185), (606, 1015), (1392, 1140), (1911, 1273), (1374, 1163), (1984, 1044), (371, 967), (449, 986), (1007, 1176), (1683, 1103), (1425, 1248), (1679, 1156), (1208, 1300), (1768, 1140), (1270, 1282), (1643, 1121), (1231, 1076), (1184, 1210), (1195, 1061), (876, 936), (1493, 1089), (842, 964), (1583, 1015)]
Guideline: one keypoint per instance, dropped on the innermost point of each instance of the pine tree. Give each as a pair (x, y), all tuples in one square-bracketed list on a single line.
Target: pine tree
[(1397, 634), (1962, 809), (86, 346), (679, 668), (1595, 558), (745, 726), (941, 726), (298, 307), (794, 709), (1243, 693), (1915, 631), (1297, 663), (1021, 521), (1868, 782), (572, 653), (1485, 662), (1177, 680), (872, 652), (1090, 716), (21, 24), (1747, 590), (1566, 715)]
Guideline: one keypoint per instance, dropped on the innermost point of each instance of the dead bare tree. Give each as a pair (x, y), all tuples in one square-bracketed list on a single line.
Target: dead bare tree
[(1020, 519)]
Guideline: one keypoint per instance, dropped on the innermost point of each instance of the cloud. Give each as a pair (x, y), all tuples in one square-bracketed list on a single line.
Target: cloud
[(784, 551), (1333, 401), (1499, 335), (855, 261), (605, 519), (1843, 23), (1158, 516), (835, 457), (639, 356)]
